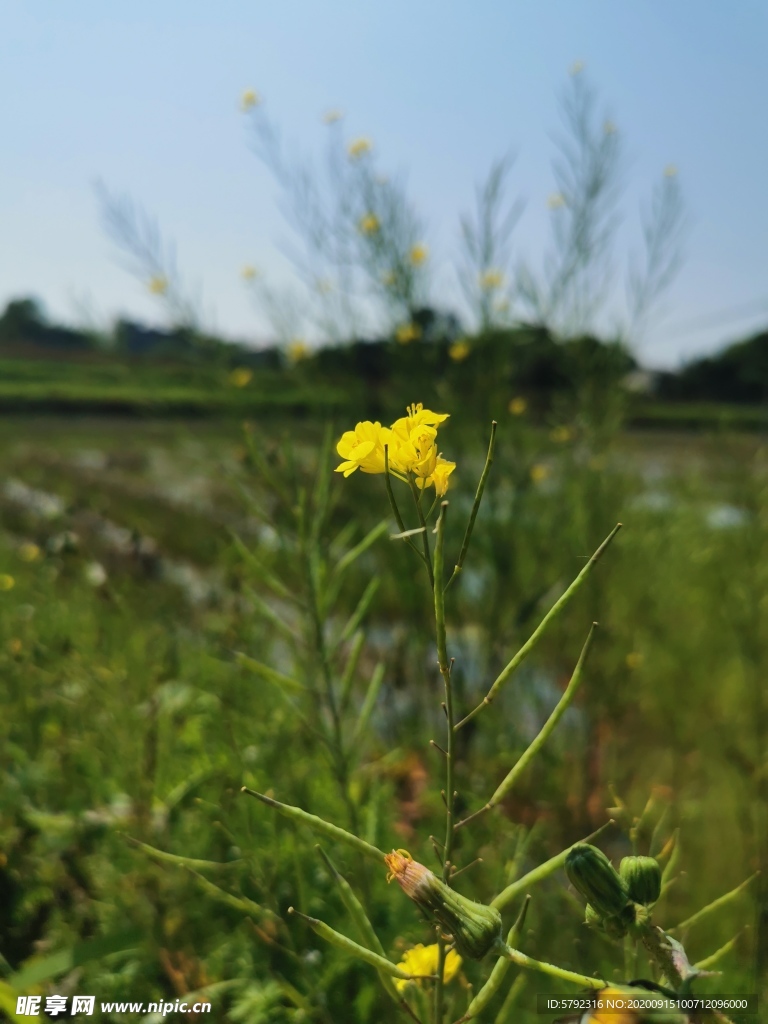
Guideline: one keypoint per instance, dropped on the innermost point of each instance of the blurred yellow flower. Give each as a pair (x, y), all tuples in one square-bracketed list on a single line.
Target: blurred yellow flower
[(556, 201), (419, 254), (459, 350), (502, 306), (388, 278), (539, 472), (15, 646), (241, 377), (561, 435), (359, 147), (324, 285), (249, 273), (7, 582), (609, 128), (491, 279), (332, 116), (517, 406), (158, 285), (29, 552), (249, 100), (670, 171), (408, 332), (369, 224), (424, 960), (576, 68), (297, 350), (634, 660)]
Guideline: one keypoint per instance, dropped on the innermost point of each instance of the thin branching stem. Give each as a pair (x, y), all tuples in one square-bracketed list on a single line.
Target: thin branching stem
[(476, 505)]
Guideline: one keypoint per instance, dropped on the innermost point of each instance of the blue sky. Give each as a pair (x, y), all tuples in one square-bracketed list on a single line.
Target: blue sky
[(145, 97)]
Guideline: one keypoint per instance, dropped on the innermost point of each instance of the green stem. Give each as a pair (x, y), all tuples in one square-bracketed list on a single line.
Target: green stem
[(445, 671), (393, 503), (473, 514), (423, 524)]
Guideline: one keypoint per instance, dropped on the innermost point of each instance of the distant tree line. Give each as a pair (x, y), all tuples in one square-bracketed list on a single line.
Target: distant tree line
[(527, 357)]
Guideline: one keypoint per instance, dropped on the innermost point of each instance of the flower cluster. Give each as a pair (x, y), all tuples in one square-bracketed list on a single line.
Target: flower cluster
[(411, 449)]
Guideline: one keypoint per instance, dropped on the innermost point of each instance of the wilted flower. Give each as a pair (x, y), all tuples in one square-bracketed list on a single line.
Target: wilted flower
[(517, 406), (406, 333), (424, 960), (359, 147), (158, 285), (459, 350), (369, 224), (474, 927), (419, 254), (240, 377), (249, 100)]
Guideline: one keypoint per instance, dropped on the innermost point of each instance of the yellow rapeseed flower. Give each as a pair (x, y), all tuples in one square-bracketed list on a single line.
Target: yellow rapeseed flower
[(439, 477), (158, 285), (7, 582), (249, 100), (297, 350), (421, 959), (419, 254), (491, 279), (363, 448), (249, 273), (29, 552), (459, 350), (517, 406), (241, 377), (369, 224), (406, 333), (416, 416), (359, 147)]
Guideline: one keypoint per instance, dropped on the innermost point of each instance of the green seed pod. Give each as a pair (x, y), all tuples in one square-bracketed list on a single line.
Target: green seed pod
[(592, 874), (474, 927), (642, 877)]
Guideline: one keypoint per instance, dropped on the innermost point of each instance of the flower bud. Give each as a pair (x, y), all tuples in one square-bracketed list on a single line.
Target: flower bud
[(474, 927), (593, 875), (642, 877)]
